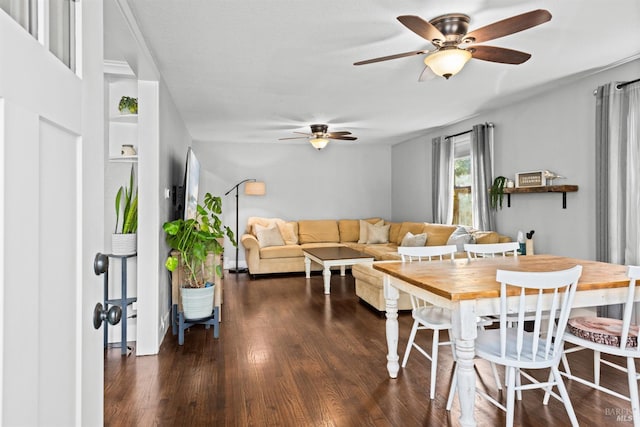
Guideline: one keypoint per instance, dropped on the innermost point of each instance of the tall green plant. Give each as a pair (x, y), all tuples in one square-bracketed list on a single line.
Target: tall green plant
[(195, 237), (497, 192), (130, 208)]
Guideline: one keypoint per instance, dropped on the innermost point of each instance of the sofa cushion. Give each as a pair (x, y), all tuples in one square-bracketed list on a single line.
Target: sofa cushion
[(321, 230), (394, 230), (381, 251), (349, 230), (460, 237), (484, 237), (438, 234), (377, 233), (411, 239), (285, 251), (289, 232), (413, 227), (362, 238), (268, 236)]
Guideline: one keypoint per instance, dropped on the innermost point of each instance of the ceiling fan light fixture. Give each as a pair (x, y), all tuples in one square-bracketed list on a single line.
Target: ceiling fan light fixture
[(447, 62), (319, 143)]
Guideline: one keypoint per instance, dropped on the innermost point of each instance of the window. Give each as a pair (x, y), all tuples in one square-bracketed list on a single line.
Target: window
[(462, 212), (52, 22)]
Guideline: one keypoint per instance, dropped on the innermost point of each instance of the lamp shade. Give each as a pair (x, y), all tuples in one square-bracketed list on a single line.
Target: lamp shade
[(319, 143), (255, 188), (447, 62)]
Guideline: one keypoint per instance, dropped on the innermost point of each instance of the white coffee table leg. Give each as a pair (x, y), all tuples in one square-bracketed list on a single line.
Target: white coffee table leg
[(391, 296), (343, 269), (326, 273), (307, 267)]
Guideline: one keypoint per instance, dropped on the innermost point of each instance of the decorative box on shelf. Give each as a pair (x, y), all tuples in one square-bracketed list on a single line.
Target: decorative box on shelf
[(531, 179)]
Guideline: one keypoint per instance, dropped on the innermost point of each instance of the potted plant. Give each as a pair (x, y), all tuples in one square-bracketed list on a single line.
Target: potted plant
[(128, 105), (497, 192), (195, 239), (124, 237)]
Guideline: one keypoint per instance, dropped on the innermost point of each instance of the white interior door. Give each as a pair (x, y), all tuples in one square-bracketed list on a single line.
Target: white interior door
[(51, 220)]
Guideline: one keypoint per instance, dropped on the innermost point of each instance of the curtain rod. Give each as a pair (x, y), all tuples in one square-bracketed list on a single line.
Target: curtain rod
[(458, 134), (619, 85)]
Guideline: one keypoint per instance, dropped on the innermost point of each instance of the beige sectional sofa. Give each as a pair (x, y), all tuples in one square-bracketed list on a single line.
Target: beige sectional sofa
[(273, 245)]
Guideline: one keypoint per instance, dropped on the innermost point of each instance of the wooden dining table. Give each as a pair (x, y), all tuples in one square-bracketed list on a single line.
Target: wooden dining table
[(469, 289)]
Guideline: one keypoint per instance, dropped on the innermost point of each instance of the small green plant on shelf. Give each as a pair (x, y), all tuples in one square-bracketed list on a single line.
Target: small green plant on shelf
[(126, 196), (497, 192), (194, 238), (128, 105)]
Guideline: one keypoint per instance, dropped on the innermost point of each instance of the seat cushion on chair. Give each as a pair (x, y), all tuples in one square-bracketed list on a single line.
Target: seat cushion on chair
[(602, 330)]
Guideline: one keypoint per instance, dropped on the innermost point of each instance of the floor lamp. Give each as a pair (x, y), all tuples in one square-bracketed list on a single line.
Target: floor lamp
[(251, 188)]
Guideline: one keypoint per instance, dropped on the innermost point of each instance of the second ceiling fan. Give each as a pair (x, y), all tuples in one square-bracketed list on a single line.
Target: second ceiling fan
[(320, 136), (454, 46)]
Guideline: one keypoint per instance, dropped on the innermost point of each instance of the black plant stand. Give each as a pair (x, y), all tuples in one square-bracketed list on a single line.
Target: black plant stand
[(180, 323), (123, 302)]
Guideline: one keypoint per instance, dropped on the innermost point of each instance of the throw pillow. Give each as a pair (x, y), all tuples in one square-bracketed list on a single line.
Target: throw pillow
[(410, 239), (364, 230), (288, 232), (459, 237), (268, 236), (378, 233)]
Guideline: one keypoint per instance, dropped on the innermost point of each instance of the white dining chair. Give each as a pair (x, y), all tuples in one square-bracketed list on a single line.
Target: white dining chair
[(525, 292), (426, 316), (485, 250), (611, 337)]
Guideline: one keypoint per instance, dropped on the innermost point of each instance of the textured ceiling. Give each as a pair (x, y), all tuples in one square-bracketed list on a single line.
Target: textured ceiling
[(256, 70)]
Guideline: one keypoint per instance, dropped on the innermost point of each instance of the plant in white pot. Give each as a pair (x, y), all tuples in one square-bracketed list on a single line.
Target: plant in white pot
[(124, 238), (195, 239)]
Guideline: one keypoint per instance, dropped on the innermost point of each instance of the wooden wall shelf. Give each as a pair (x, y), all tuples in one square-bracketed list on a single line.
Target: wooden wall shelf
[(564, 189)]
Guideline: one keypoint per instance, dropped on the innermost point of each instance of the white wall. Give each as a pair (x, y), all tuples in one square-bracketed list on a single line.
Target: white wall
[(341, 181), (553, 130)]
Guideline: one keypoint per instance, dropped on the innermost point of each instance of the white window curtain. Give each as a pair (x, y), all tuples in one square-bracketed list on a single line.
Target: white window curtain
[(442, 180), (482, 176), (617, 170)]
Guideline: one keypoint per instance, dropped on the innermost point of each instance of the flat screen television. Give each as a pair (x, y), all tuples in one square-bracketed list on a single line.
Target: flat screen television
[(190, 187)]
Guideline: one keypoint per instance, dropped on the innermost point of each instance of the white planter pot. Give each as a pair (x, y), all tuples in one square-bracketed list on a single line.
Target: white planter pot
[(124, 244), (197, 303)]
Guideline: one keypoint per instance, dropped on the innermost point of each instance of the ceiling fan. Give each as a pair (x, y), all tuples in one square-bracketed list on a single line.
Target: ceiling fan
[(319, 136), (454, 46)]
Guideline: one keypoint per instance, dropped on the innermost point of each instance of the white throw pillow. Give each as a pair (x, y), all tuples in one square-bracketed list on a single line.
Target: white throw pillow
[(459, 237), (268, 236), (364, 230), (378, 233), (410, 239)]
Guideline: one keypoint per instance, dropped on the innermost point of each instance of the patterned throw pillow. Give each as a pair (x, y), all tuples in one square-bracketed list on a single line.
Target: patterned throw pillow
[(378, 233), (268, 236), (411, 239)]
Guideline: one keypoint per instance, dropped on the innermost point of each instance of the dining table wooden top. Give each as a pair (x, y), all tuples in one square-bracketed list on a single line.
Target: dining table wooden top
[(464, 279)]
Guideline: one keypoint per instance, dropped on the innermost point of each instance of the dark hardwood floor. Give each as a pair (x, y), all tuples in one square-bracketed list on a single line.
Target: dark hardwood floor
[(290, 356)]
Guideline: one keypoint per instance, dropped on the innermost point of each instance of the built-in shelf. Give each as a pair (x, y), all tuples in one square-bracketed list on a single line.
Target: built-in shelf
[(124, 159), (564, 189), (124, 118)]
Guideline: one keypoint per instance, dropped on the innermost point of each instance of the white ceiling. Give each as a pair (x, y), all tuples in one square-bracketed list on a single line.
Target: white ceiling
[(257, 70)]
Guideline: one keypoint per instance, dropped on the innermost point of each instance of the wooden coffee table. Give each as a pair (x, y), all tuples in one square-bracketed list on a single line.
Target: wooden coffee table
[(332, 257)]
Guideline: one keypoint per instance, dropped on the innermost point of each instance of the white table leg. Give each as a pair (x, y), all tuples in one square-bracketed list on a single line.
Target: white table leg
[(326, 273), (343, 269), (307, 267), (391, 296), (465, 332)]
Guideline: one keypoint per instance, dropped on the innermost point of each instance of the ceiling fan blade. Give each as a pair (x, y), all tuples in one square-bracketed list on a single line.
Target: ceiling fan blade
[(338, 133), (343, 138), (499, 54), (509, 26), (421, 27), (426, 74), (293, 137), (303, 133), (386, 58)]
